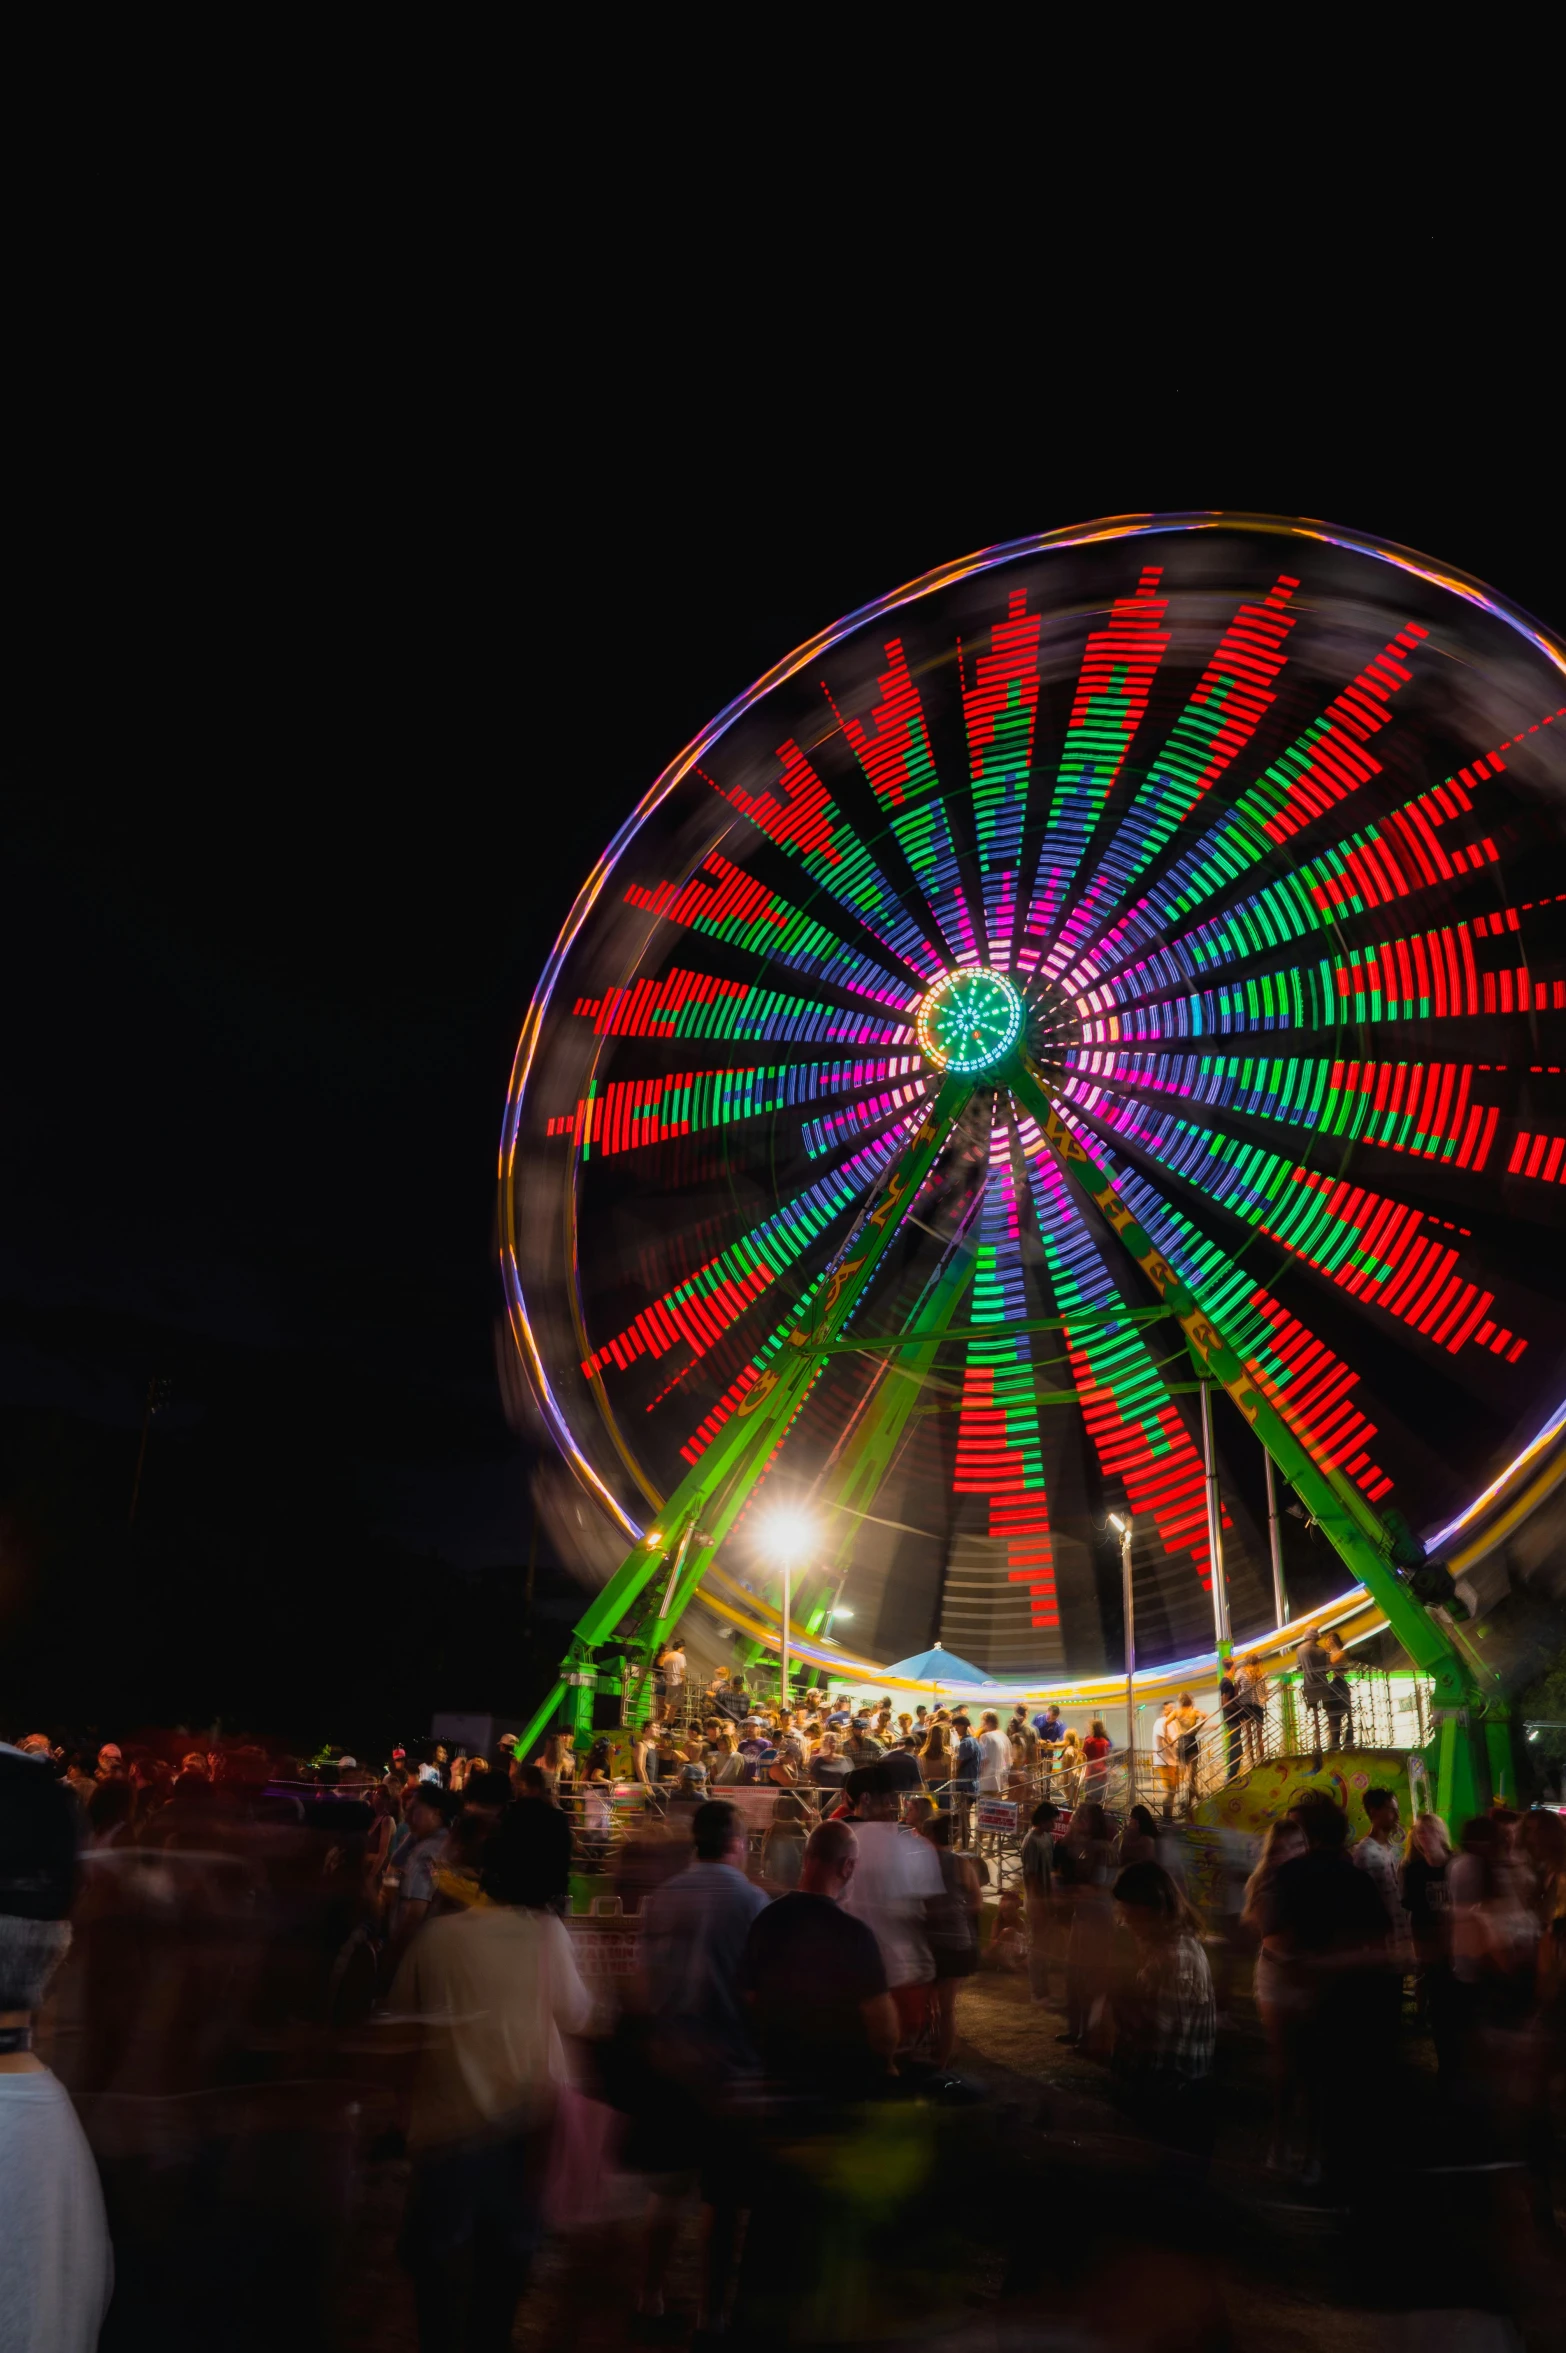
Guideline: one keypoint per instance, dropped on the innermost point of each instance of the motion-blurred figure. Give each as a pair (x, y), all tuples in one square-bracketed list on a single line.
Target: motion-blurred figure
[(493, 1988), (56, 2270)]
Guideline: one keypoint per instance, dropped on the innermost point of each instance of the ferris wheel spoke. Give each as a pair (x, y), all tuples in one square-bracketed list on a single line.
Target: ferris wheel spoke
[(624, 1115), (1116, 678), (1326, 764), (798, 813), (999, 1441), (1134, 1423), (1382, 1251), (1441, 1111), (1225, 709), (704, 1005), (1309, 1385), (728, 904), (1473, 969), (891, 741), (696, 1313), (1414, 848), (1000, 709)]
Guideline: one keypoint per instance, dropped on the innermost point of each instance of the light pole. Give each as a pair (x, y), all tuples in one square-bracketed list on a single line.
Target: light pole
[(788, 1537), (1214, 1526), (1280, 1599), (1123, 1522)]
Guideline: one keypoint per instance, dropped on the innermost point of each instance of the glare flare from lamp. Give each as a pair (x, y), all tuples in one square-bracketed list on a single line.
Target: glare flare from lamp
[(788, 1537)]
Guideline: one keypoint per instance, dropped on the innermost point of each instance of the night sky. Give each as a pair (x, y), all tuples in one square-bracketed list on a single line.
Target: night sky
[(360, 640)]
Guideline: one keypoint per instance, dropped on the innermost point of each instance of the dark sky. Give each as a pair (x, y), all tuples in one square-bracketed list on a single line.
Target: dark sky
[(377, 595)]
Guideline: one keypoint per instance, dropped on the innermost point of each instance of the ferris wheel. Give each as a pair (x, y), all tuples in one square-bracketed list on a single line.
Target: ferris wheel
[(1077, 1047)]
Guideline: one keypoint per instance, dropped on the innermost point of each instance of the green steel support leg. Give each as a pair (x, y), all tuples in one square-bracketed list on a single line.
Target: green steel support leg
[(742, 1449), (871, 1451), (1345, 1518)]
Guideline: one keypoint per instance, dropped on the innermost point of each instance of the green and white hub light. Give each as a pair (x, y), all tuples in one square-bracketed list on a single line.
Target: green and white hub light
[(970, 1020)]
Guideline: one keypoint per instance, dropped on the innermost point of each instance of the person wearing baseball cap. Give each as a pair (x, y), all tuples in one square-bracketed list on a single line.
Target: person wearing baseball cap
[(57, 2272)]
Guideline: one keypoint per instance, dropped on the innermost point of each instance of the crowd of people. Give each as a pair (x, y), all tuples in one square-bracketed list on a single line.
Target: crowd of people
[(799, 1961), (733, 1736)]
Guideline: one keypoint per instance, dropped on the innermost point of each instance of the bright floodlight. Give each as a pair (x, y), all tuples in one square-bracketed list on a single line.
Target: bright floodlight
[(788, 1537), (1117, 1523), (840, 1612)]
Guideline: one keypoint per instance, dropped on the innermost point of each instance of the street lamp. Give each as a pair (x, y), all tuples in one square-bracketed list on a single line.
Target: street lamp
[(1121, 1523), (789, 1537)]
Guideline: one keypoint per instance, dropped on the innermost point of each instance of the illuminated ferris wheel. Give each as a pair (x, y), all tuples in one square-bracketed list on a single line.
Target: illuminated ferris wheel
[(1092, 1019)]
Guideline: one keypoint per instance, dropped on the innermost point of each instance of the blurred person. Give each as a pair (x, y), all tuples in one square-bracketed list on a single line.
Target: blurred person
[(56, 2267), (78, 1777), (935, 1764), (1380, 1853), (1166, 2026), (493, 1987), (1424, 1897), (1315, 1673), (672, 1661), (1338, 1700), (994, 1756), (965, 1778), (1166, 1748), (787, 1740), (727, 1765), (1070, 1765), (1050, 1725), (814, 1982), (1329, 1935), (1096, 1750), (383, 1828), (1139, 1839), (828, 1769), (414, 1864), (1038, 1887), (699, 2050), (897, 1876), (859, 1744), (109, 1815), (1090, 1860), (1189, 1721), (111, 1762), (953, 1930), (38, 1744), (783, 1848), (1231, 1708), (1024, 1740), (1493, 1929), (1253, 1711), (1275, 1993), (195, 1764)]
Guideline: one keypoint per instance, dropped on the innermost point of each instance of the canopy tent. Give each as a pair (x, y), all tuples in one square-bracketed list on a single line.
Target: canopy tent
[(938, 1666)]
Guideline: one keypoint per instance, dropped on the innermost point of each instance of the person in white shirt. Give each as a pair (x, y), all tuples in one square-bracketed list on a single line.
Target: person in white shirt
[(674, 1682), (1380, 1856), (897, 1876), (994, 1758), (486, 1996), (56, 2267), (1166, 1744)]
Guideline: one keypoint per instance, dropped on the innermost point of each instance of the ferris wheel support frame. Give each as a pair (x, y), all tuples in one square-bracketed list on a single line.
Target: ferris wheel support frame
[(1471, 1745)]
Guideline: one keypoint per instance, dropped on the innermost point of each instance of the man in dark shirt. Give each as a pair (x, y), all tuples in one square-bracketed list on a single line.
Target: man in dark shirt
[(815, 1984), (1231, 1701), (1315, 1685), (1329, 1931)]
